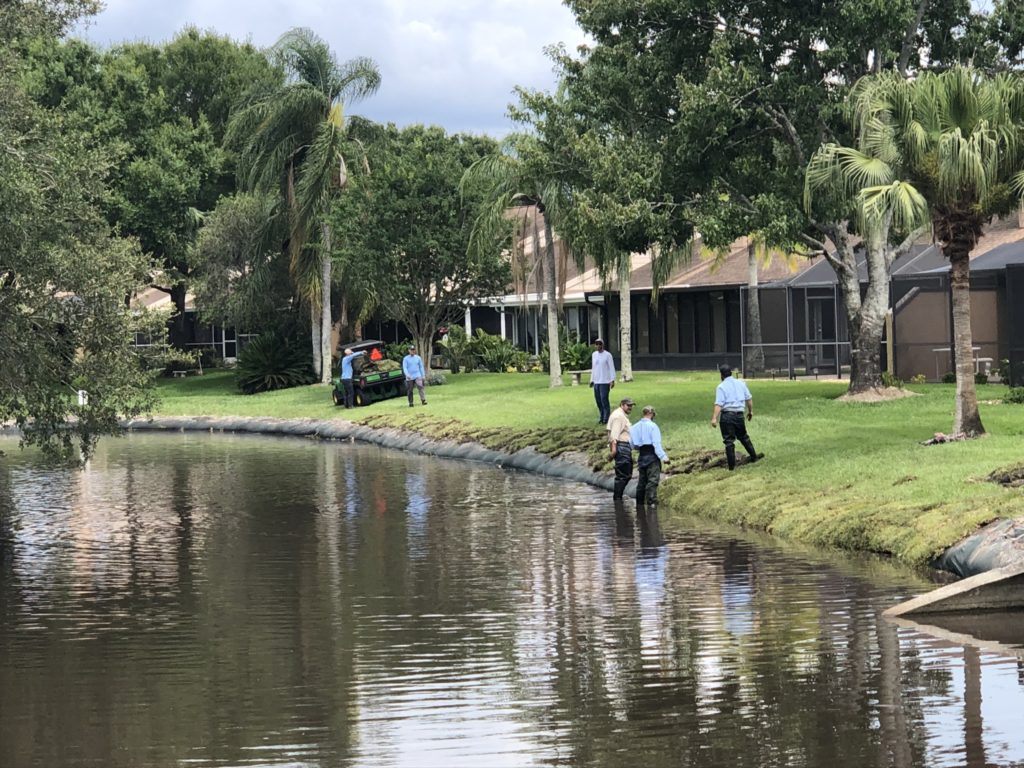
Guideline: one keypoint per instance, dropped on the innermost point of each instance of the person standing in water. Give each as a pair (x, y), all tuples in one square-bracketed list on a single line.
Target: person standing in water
[(620, 446), (647, 440)]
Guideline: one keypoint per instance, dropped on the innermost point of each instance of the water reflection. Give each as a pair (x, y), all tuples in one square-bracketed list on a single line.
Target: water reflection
[(203, 600)]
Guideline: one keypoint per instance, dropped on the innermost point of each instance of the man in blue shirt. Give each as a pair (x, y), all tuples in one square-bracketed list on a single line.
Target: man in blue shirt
[(646, 438), (346, 377), (731, 397), (412, 367)]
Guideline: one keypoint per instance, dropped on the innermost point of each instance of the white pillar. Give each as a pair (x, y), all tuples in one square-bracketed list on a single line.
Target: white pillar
[(501, 313), (469, 322)]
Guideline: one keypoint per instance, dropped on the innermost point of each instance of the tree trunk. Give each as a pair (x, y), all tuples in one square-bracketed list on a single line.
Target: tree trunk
[(552, 305), (424, 343), (753, 361), (314, 332), (865, 318), (966, 418), (342, 324), (325, 306), (867, 324), (178, 336), (625, 318)]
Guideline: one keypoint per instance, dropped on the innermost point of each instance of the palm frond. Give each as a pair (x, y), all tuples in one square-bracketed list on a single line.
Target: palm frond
[(900, 202)]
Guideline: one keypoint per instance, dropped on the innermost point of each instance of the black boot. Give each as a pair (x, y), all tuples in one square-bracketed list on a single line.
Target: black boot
[(730, 456), (748, 444)]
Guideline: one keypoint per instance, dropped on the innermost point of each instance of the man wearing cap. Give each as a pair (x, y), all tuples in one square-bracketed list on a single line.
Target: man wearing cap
[(602, 379), (412, 367), (647, 440), (620, 446), (346, 377), (731, 398)]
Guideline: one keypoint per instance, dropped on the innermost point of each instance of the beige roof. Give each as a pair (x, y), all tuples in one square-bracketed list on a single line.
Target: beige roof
[(154, 298)]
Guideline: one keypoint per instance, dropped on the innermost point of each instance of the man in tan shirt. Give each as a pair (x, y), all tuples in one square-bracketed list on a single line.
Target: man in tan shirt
[(620, 447)]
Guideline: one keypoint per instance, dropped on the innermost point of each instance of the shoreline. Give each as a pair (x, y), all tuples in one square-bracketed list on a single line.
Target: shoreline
[(528, 459), (995, 545)]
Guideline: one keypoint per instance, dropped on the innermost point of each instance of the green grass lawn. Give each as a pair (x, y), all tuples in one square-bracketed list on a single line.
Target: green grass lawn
[(850, 475)]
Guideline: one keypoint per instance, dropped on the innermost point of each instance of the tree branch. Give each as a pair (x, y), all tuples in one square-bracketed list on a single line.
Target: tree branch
[(909, 37), (781, 121), (894, 253)]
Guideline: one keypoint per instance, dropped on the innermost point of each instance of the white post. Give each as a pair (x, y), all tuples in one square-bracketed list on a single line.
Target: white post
[(501, 313), (83, 397), (469, 322)]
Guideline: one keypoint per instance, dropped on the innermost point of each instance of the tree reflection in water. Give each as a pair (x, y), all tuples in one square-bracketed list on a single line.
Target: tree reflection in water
[(229, 600)]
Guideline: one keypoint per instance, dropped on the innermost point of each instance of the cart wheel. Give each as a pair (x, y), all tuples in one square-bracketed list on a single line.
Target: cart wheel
[(337, 398), (360, 398)]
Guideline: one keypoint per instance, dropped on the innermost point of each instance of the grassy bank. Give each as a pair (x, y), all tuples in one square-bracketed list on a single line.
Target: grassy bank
[(849, 475)]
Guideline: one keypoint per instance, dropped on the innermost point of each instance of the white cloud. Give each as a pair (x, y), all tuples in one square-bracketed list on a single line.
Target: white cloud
[(449, 62)]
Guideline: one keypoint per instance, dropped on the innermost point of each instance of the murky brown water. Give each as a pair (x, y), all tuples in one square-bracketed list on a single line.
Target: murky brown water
[(198, 600)]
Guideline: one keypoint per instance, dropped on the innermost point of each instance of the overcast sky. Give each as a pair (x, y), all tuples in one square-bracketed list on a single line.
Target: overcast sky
[(447, 62)]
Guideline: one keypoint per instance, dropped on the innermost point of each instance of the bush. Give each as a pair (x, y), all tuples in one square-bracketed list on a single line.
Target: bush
[(981, 378), (575, 354), (918, 378), (1014, 395), (1003, 370), (436, 379), (891, 380), (455, 349), (271, 362), (396, 350), (493, 353), (949, 378)]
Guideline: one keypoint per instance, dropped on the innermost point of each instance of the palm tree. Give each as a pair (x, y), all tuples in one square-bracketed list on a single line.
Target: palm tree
[(944, 148), (293, 136), (515, 181)]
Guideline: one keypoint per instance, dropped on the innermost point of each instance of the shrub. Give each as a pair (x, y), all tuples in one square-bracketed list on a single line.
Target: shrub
[(575, 354), (455, 349), (1003, 370), (949, 377), (493, 353), (918, 378), (271, 362), (1014, 395), (396, 350), (891, 380), (981, 378), (436, 379)]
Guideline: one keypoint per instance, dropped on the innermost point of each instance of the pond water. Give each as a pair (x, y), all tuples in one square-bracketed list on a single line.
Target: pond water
[(211, 600)]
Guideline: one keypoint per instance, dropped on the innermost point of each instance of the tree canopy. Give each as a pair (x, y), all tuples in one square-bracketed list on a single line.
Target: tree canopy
[(65, 280), (404, 228)]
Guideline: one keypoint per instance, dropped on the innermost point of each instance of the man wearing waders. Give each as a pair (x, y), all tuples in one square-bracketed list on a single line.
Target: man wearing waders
[(647, 440), (731, 398), (620, 446)]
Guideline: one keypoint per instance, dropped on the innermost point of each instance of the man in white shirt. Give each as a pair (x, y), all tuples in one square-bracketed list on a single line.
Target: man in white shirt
[(731, 398), (602, 379)]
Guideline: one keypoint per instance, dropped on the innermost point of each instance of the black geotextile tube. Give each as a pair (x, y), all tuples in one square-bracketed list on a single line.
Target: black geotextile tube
[(998, 544), (529, 461)]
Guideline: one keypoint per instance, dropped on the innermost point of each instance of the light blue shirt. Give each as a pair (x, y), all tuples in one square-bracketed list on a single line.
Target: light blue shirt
[(731, 394), (346, 364), (412, 367), (646, 432)]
